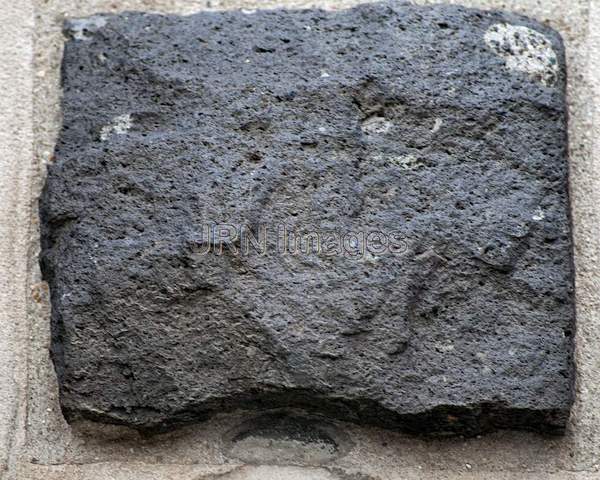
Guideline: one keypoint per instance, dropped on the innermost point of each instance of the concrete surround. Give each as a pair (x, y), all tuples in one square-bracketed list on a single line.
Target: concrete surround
[(36, 442)]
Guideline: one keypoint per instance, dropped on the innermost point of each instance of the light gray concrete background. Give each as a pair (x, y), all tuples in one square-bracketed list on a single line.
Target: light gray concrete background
[(36, 442)]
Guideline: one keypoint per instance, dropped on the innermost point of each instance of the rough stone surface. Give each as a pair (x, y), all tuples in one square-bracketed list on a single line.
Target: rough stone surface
[(387, 117)]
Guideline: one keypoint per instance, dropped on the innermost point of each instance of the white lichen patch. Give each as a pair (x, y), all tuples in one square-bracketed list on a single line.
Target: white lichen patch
[(376, 125), (406, 162), (118, 125), (83, 28), (444, 347), (524, 50), (538, 215)]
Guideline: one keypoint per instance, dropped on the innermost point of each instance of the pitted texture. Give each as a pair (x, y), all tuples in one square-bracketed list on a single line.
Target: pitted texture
[(383, 118)]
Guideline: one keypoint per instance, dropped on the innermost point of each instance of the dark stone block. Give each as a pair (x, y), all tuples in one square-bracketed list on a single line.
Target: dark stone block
[(442, 128)]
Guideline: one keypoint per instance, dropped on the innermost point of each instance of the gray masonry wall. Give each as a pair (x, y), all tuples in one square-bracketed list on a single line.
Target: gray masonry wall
[(36, 442)]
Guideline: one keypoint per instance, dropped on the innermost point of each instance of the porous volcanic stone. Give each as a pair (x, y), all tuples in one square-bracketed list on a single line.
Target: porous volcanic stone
[(443, 128)]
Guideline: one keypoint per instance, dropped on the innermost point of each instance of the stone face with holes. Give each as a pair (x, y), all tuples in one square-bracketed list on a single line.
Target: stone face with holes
[(416, 154)]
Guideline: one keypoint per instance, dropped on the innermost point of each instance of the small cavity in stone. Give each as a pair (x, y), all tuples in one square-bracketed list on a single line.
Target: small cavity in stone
[(277, 439)]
